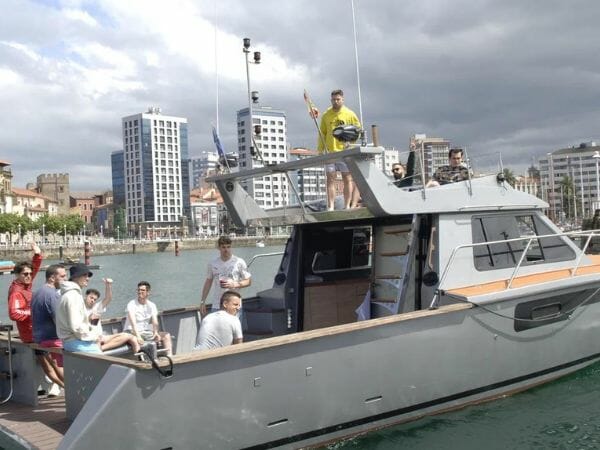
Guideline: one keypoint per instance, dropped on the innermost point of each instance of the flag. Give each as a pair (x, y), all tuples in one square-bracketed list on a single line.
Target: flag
[(218, 144), (312, 109), (220, 150)]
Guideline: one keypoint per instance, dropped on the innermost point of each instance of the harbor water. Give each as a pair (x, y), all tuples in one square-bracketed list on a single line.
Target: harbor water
[(176, 280), (564, 414)]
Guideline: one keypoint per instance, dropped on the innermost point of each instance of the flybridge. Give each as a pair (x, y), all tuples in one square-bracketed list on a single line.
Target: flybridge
[(380, 196)]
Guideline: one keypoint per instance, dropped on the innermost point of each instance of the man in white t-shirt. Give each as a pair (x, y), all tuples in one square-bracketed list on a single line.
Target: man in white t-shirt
[(142, 319), (221, 328), (225, 272), (93, 306)]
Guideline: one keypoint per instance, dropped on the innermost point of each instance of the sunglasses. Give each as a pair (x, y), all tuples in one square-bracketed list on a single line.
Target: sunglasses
[(26, 274), (396, 170)]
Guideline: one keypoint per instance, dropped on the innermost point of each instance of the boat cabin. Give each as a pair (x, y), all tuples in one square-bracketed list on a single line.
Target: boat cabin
[(405, 250)]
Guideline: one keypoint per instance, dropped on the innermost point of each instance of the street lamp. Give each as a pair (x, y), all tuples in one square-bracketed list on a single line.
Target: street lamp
[(252, 96), (65, 229), (19, 240), (43, 233), (118, 232), (596, 156)]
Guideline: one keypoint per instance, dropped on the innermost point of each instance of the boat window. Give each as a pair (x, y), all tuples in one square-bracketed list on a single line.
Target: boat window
[(507, 254), (340, 249)]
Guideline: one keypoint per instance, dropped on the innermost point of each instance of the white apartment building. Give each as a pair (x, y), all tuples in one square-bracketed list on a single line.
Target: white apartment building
[(201, 165), (580, 164), (270, 191), (310, 182), (387, 159), (156, 169), (435, 152)]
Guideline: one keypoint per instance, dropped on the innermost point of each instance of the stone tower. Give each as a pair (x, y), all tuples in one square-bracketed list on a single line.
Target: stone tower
[(55, 186)]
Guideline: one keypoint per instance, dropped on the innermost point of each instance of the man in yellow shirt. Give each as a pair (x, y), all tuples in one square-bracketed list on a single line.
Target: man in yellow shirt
[(337, 115)]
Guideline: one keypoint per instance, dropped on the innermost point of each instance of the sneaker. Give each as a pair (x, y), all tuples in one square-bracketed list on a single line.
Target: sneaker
[(54, 391)]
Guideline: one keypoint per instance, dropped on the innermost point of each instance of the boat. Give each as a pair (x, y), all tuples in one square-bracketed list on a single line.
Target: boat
[(260, 243), (6, 266), (465, 292)]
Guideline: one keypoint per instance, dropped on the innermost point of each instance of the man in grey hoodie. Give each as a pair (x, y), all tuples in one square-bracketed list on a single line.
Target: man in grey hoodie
[(73, 324)]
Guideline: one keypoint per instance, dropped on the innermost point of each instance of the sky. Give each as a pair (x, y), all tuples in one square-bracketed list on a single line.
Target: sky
[(504, 79)]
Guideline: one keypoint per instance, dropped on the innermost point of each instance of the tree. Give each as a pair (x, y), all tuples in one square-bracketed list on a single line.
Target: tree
[(74, 223), (13, 223), (569, 200), (509, 176)]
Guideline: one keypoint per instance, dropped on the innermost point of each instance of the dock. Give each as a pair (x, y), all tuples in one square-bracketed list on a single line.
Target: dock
[(40, 427)]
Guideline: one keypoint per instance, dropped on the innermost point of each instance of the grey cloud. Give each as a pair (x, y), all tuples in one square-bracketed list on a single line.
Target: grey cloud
[(511, 77)]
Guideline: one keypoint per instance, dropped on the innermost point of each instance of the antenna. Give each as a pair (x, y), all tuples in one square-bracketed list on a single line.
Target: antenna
[(216, 67), (357, 73)]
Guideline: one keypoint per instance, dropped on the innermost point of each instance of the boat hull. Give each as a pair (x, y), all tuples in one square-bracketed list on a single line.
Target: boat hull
[(308, 388)]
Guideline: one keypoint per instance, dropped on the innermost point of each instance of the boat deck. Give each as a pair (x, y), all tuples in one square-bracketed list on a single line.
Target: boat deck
[(42, 426)]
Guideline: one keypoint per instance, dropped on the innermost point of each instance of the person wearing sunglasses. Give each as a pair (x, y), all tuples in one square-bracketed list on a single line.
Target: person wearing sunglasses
[(403, 176), (19, 310), (19, 294)]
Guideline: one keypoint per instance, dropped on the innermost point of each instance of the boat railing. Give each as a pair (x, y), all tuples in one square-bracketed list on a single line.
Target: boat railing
[(264, 255), (588, 235)]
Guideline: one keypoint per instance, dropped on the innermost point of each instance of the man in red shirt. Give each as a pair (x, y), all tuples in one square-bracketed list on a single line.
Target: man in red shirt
[(19, 294), (19, 306)]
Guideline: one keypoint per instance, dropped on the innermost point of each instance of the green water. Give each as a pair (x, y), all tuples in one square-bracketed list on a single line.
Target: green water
[(564, 414), (176, 280)]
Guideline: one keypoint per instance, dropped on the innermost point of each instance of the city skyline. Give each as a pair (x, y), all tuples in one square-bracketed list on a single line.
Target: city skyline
[(510, 78)]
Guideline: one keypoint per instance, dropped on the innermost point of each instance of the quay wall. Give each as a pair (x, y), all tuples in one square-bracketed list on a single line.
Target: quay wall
[(73, 250)]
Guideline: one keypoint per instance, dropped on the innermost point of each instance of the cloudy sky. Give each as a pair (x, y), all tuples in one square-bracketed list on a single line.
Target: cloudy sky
[(507, 77)]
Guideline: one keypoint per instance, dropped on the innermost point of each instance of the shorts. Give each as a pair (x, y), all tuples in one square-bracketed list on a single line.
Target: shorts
[(54, 343), (147, 336), (76, 345), (336, 167)]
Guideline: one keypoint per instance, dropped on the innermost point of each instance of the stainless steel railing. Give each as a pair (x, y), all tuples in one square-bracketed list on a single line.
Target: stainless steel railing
[(528, 239)]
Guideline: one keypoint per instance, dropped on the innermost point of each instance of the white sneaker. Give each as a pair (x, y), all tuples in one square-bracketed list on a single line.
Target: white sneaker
[(54, 390)]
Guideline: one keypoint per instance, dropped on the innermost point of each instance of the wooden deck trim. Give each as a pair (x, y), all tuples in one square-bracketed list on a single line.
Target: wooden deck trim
[(276, 341), (42, 426), (527, 280), (315, 334), (33, 345)]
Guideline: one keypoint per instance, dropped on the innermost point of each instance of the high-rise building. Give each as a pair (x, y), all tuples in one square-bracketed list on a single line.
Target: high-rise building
[(272, 190), (156, 165), (569, 181), (435, 152), (202, 165), (310, 181), (387, 159), (117, 164)]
